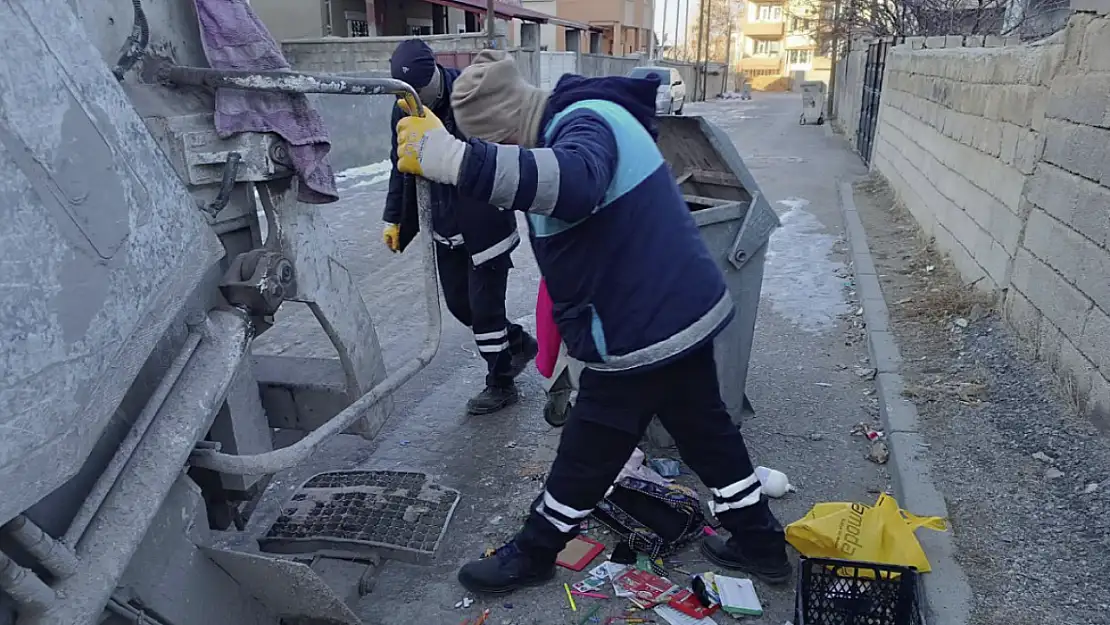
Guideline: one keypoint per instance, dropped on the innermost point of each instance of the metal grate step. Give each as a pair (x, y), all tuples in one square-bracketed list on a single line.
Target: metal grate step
[(401, 515)]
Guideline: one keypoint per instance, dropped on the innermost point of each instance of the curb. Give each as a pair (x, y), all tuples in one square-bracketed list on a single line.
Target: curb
[(948, 595)]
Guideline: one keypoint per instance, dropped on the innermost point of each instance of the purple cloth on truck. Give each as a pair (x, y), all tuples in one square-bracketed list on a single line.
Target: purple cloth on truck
[(234, 38)]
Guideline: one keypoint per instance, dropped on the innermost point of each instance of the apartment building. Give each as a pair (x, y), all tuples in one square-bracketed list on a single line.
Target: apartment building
[(778, 38), (311, 19), (626, 26)]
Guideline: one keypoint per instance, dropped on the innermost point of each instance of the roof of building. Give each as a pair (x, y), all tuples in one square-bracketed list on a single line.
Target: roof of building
[(509, 11)]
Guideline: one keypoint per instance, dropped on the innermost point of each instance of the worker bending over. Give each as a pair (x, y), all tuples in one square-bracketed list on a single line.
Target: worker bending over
[(636, 297), (473, 256)]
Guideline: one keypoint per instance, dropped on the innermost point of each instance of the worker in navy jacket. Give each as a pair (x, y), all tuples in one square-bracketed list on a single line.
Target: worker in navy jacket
[(473, 257), (636, 296)]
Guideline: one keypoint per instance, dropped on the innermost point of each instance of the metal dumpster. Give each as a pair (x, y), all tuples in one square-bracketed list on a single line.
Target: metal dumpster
[(735, 221)]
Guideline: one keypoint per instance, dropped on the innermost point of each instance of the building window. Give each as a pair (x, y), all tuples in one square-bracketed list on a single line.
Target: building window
[(358, 28), (801, 24), (755, 73), (767, 12), (764, 47), (800, 57)]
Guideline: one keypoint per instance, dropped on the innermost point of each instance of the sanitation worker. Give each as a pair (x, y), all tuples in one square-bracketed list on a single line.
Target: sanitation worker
[(473, 256), (636, 297)]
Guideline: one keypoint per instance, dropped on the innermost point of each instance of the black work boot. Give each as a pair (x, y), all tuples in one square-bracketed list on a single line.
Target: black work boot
[(523, 354), (767, 561), (492, 399), (507, 569)]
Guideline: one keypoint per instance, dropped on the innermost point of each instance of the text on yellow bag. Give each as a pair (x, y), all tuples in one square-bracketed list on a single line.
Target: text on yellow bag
[(883, 533)]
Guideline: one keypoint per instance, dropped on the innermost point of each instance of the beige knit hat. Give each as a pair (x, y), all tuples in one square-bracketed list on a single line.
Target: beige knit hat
[(492, 101)]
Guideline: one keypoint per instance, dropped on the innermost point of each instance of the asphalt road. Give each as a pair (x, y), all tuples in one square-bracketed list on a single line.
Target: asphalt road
[(803, 379)]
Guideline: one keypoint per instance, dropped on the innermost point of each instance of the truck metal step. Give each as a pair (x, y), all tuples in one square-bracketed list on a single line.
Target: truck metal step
[(401, 515)]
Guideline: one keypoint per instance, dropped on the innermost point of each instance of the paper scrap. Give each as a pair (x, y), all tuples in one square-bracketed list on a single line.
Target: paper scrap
[(738, 596), (674, 617)]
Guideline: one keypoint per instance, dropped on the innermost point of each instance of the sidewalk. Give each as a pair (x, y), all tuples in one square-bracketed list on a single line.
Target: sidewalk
[(805, 378)]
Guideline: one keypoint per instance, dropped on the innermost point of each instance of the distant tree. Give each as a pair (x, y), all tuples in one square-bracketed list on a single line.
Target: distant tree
[(908, 18), (714, 29)]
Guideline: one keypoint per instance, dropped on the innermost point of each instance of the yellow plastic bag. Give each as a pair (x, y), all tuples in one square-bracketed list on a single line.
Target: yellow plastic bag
[(882, 534)]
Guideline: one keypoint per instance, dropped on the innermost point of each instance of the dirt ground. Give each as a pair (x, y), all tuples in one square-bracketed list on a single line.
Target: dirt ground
[(1026, 480)]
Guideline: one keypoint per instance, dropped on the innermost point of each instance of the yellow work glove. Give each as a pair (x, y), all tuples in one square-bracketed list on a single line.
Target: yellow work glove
[(391, 234), (425, 148)]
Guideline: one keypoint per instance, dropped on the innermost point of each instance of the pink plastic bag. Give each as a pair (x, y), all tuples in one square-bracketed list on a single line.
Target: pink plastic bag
[(547, 334)]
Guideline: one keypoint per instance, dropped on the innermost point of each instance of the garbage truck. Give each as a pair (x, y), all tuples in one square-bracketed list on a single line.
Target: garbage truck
[(143, 251), (142, 254)]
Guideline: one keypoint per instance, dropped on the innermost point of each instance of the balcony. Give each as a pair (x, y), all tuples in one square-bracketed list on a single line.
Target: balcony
[(761, 62), (764, 29)]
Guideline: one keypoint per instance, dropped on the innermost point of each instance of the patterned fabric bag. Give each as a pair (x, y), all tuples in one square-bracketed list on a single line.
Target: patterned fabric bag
[(652, 519)]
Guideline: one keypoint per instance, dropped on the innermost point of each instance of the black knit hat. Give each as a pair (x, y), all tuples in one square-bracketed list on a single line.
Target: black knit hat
[(413, 62)]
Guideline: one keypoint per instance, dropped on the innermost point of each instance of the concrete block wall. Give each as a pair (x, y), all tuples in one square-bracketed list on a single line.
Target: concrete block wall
[(366, 54), (1059, 293), (1002, 155), (959, 130)]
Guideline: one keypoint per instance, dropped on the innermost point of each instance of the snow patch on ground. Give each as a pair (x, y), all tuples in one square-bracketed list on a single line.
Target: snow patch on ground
[(373, 170), (800, 277)]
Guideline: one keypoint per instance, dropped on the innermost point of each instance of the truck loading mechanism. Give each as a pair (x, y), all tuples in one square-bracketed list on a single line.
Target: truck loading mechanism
[(138, 424)]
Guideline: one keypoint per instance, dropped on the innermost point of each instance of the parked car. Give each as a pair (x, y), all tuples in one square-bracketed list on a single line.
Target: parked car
[(672, 90)]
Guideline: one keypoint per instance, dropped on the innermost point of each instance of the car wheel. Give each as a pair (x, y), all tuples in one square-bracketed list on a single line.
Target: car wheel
[(680, 107)]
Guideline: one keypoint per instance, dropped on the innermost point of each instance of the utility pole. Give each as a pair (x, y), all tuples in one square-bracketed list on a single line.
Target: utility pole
[(674, 46), (663, 37), (699, 79), (728, 49), (651, 32), (491, 24), (830, 105), (686, 45), (708, 13)]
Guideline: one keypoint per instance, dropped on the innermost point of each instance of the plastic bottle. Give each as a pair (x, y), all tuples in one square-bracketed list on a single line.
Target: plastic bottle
[(774, 483)]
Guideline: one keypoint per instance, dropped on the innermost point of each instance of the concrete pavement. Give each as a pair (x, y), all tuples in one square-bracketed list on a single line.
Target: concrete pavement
[(803, 381)]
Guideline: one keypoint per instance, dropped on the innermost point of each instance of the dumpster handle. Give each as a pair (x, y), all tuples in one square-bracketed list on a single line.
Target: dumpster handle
[(284, 82), (286, 457), (294, 82)]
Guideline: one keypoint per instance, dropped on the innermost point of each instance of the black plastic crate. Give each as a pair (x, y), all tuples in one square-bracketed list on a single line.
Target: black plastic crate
[(840, 592)]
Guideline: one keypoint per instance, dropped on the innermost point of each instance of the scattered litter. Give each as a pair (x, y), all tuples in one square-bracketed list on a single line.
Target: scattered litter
[(645, 563), (961, 322), (862, 429), (930, 268), (666, 467), (644, 588), (590, 584), (510, 444), (674, 617), (485, 615), (465, 603), (404, 443), (816, 436), (859, 311), (1091, 488), (1053, 474), (709, 531), (1043, 457), (579, 552), (825, 384), (590, 614), (570, 599), (591, 595), (688, 603), (507, 606), (866, 373), (879, 452), (738, 596), (773, 483), (635, 467), (608, 570)]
